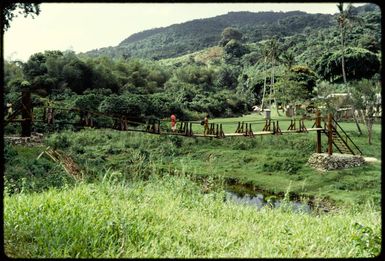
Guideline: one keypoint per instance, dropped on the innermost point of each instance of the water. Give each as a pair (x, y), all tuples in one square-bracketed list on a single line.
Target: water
[(259, 201)]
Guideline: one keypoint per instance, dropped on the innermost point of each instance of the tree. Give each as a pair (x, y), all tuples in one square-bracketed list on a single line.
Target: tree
[(36, 72), (77, 75), (130, 104), (288, 59), (89, 101), (365, 96), (233, 51), (229, 34), (370, 43), (297, 86), (13, 73), (265, 55), (360, 63), (8, 9), (345, 19), (227, 77), (273, 55)]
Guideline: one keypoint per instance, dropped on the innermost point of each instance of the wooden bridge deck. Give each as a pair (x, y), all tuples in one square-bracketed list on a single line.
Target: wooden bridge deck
[(298, 131), (257, 133)]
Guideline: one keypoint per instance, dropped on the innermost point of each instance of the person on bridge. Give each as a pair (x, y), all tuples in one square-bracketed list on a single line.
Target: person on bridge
[(9, 106), (206, 125), (173, 122)]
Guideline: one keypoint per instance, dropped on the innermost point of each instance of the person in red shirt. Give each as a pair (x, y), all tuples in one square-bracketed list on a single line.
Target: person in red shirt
[(173, 122)]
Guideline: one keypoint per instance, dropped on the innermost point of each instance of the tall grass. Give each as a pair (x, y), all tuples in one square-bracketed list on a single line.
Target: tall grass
[(169, 217)]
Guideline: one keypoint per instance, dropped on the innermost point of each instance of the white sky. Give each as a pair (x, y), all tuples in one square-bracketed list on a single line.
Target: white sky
[(85, 26)]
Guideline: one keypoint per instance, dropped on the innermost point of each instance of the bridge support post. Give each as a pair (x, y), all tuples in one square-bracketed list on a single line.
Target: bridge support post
[(318, 125), (221, 133), (238, 128), (26, 113), (330, 134), (190, 131)]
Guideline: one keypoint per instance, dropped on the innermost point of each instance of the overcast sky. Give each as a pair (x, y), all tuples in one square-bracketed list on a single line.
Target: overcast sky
[(85, 26)]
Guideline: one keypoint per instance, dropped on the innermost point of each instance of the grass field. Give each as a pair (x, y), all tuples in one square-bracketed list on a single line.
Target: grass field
[(170, 217)]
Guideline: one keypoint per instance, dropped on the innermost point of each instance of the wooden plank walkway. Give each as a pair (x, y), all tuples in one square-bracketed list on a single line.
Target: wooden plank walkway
[(315, 129), (298, 131), (257, 133)]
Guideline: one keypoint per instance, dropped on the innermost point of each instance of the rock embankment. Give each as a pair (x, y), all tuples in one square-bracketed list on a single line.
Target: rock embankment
[(323, 161), (35, 139)]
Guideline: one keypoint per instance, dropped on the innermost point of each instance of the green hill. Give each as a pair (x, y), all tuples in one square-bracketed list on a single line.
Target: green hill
[(180, 39), (184, 38)]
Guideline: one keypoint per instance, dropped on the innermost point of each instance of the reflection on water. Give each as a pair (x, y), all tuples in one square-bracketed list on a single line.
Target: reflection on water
[(260, 201)]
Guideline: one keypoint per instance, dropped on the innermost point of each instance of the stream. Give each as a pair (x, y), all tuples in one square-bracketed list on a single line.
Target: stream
[(259, 200)]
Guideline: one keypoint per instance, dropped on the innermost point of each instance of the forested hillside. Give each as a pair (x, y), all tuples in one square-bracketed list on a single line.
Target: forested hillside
[(180, 39), (239, 60)]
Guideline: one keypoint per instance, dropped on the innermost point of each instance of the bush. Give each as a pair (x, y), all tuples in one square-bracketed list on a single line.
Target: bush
[(244, 144), (31, 175), (289, 166), (59, 141), (9, 152)]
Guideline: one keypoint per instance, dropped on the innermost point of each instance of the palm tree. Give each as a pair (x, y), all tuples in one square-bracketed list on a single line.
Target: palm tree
[(265, 55), (288, 59), (345, 19), (270, 52), (274, 57)]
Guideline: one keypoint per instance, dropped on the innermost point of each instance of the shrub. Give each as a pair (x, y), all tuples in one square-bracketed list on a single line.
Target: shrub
[(9, 152), (31, 175), (289, 166), (59, 141)]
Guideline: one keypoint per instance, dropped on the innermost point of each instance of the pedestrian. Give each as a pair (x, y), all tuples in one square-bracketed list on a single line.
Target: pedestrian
[(257, 109), (9, 108), (206, 125), (173, 122)]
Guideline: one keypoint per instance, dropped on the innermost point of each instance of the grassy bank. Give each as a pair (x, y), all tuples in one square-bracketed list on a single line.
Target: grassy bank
[(170, 217), (272, 163)]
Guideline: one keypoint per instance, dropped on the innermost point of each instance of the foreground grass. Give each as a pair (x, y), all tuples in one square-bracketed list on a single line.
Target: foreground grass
[(170, 217)]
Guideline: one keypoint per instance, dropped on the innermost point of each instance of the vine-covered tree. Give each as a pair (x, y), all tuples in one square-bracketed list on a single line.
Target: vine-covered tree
[(360, 63), (233, 51), (228, 34)]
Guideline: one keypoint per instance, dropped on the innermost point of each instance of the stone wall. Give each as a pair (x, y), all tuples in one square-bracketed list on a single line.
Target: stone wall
[(323, 161), (35, 139)]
